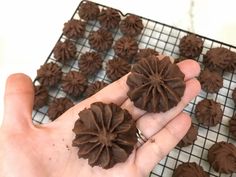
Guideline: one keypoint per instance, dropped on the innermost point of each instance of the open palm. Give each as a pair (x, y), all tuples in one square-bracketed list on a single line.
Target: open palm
[(27, 150)]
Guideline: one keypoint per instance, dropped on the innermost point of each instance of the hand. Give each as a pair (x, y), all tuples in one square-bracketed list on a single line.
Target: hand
[(28, 150)]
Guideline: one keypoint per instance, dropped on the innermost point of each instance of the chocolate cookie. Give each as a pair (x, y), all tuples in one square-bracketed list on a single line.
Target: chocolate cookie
[(211, 81), (217, 59), (74, 29), (109, 18), (49, 74), (208, 112), (222, 157), (232, 64), (144, 53), (188, 169), (234, 95), (88, 10), (94, 88), (116, 68), (132, 25), (155, 85), (190, 46), (74, 83), (189, 138), (232, 126), (64, 51), (89, 63), (100, 40), (40, 96), (105, 135), (58, 107), (126, 47)]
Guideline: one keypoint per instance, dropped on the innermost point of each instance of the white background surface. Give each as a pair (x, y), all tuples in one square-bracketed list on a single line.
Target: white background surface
[(29, 29)]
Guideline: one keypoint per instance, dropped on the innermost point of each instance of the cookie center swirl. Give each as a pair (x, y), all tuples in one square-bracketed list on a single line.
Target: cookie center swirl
[(156, 80), (106, 138), (132, 20), (48, 73)]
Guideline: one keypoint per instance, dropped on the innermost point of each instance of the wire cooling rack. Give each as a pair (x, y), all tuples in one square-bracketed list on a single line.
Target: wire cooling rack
[(165, 39)]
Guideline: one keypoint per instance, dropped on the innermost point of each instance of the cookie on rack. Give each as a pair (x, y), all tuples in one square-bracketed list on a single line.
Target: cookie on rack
[(109, 18), (232, 126), (190, 46), (222, 157), (116, 68), (126, 47), (211, 81), (189, 138), (217, 59), (40, 96), (132, 25), (49, 74), (100, 40), (58, 106), (234, 95), (89, 63), (232, 64), (93, 88), (208, 112), (74, 83), (188, 169), (65, 51), (144, 53), (74, 29), (88, 10), (179, 59)]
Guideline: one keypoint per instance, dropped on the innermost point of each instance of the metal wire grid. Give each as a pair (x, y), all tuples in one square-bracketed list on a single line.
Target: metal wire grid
[(165, 39)]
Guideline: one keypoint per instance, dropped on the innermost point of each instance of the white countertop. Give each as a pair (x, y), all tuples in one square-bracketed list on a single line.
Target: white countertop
[(29, 29)]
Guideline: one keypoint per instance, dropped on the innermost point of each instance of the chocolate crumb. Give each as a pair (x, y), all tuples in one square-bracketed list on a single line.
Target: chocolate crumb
[(152, 140)]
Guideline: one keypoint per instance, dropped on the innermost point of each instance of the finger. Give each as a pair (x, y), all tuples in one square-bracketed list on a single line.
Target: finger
[(151, 123), (158, 146), (190, 69), (18, 102)]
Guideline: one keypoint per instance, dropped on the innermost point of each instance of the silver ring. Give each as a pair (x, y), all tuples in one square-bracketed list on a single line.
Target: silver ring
[(141, 138)]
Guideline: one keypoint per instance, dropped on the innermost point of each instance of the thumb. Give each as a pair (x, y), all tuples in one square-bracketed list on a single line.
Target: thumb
[(18, 102)]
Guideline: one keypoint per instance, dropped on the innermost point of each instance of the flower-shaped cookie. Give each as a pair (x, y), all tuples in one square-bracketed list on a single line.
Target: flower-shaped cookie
[(105, 134), (155, 85)]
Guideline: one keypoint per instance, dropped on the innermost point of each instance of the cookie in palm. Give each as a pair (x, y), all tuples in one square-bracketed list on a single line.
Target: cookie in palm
[(105, 135), (155, 85)]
